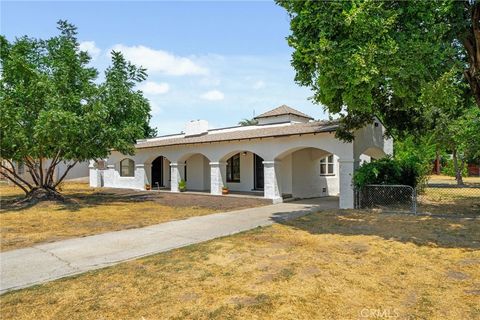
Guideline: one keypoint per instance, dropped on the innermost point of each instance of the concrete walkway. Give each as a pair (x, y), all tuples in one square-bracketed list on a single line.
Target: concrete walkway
[(45, 262)]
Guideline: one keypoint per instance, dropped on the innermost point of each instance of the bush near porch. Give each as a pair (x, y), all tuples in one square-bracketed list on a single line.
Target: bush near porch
[(389, 171), (328, 265), (91, 211)]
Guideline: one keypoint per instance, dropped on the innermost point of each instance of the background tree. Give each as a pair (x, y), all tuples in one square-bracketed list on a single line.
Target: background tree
[(52, 109), (373, 58), (453, 118), (248, 122)]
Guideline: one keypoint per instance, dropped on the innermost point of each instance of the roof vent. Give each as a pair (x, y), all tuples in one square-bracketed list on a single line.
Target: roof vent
[(196, 128)]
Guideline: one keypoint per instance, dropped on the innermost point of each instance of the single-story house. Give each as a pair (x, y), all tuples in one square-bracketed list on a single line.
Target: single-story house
[(287, 154)]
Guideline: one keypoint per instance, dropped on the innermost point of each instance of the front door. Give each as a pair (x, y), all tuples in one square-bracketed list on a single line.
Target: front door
[(258, 172), (157, 173)]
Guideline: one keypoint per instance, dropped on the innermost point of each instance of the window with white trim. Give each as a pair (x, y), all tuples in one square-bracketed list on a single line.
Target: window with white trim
[(327, 166), (127, 168)]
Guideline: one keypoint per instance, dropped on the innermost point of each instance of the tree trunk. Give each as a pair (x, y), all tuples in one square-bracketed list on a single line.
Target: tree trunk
[(43, 186), (458, 169), (41, 194), (471, 42), (437, 163)]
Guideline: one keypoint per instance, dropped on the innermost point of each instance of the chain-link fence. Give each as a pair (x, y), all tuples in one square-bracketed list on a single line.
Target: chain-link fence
[(387, 198), (444, 199), (449, 199)]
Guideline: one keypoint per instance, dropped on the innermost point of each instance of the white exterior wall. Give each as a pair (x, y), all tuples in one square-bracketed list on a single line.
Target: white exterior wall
[(286, 169), (246, 174), (198, 173), (112, 178), (80, 171), (307, 181)]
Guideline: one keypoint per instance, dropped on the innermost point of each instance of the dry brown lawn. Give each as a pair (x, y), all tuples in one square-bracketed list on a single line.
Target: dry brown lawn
[(456, 201), (442, 179), (92, 211), (329, 265)]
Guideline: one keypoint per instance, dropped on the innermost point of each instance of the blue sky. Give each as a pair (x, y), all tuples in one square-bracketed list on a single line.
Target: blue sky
[(218, 61)]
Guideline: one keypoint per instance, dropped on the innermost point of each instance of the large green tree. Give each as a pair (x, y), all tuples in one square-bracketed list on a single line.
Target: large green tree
[(366, 58), (53, 110)]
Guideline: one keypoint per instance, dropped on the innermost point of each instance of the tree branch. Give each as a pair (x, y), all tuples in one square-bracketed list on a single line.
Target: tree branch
[(65, 174), (32, 165), (13, 173), (51, 169), (14, 181)]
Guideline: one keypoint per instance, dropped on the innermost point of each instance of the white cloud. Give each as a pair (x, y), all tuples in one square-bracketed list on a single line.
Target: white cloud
[(213, 95), (155, 108), (259, 85), (154, 88), (160, 61), (91, 48)]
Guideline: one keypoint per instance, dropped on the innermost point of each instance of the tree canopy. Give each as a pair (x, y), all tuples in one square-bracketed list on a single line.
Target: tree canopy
[(367, 58), (53, 108)]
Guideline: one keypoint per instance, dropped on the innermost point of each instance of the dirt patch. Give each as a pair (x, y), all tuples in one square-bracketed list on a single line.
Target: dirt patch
[(92, 211), (457, 275)]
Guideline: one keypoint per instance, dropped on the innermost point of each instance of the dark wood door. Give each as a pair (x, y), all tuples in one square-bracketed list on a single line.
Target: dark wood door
[(157, 172), (258, 172)]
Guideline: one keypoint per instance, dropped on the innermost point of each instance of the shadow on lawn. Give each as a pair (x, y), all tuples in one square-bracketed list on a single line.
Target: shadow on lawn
[(462, 206), (443, 232), (76, 200)]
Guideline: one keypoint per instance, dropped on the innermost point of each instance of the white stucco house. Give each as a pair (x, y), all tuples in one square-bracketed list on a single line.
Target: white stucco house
[(286, 155)]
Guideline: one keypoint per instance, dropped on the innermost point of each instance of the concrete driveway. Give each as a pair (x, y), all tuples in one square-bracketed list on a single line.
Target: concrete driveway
[(45, 262)]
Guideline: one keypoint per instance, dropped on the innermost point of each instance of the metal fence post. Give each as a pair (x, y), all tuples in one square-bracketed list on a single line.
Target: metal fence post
[(414, 200)]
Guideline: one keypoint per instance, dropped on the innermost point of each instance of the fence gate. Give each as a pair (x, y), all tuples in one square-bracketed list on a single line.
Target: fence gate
[(387, 198)]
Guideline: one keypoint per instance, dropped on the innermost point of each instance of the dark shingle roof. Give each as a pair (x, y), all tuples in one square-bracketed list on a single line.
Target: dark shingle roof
[(283, 110), (255, 132)]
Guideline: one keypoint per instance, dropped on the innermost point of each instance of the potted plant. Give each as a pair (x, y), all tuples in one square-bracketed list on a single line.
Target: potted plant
[(148, 187), (224, 190), (182, 186)]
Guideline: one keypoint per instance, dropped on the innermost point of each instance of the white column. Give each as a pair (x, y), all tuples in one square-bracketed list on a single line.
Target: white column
[(346, 183), (94, 175), (176, 174), (140, 176), (109, 177), (271, 176), (218, 174)]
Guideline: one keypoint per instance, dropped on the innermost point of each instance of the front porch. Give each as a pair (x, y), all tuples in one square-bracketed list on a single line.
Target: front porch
[(307, 165)]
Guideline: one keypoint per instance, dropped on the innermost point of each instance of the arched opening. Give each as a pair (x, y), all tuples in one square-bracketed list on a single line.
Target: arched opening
[(244, 171), (308, 172), (194, 169), (160, 173)]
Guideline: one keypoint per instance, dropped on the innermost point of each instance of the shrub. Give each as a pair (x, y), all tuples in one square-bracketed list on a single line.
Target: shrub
[(388, 171), (449, 170), (182, 185)]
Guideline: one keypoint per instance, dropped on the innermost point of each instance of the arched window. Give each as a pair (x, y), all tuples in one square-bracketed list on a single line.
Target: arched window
[(127, 168)]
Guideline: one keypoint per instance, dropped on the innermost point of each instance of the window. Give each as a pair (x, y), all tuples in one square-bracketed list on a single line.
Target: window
[(327, 166), (233, 168), (127, 167)]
